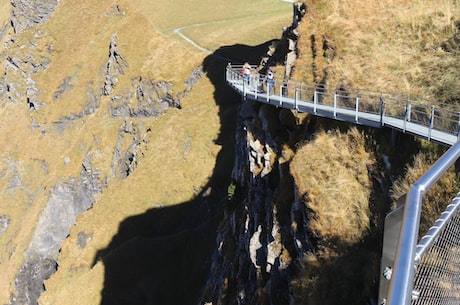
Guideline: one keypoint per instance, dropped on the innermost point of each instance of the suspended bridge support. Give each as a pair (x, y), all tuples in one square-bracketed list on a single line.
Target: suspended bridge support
[(414, 270)]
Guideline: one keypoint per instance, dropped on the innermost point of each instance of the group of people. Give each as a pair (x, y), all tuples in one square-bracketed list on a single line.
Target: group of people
[(269, 77)]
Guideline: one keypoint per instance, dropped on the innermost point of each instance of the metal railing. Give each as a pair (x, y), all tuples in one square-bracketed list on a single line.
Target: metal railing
[(408, 256), (431, 120), (411, 273), (437, 277)]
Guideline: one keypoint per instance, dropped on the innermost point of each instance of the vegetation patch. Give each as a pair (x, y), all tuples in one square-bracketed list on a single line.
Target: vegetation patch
[(332, 176)]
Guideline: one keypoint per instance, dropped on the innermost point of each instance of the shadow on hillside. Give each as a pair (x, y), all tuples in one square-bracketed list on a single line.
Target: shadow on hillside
[(163, 256)]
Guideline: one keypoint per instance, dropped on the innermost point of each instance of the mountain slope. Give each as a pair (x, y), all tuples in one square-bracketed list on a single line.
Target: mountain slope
[(105, 112)]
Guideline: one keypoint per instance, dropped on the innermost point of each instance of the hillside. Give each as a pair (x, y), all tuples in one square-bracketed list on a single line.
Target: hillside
[(106, 115), (131, 174), (348, 177)]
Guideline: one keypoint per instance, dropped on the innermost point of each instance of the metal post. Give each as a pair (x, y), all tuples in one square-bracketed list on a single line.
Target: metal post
[(406, 115), (295, 98), (382, 110), (256, 85), (408, 110), (458, 128), (268, 90), (315, 100), (335, 103), (228, 75), (244, 88), (431, 122), (357, 109), (281, 95)]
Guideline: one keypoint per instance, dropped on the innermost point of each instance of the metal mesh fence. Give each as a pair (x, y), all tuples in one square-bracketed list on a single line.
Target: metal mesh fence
[(437, 278)]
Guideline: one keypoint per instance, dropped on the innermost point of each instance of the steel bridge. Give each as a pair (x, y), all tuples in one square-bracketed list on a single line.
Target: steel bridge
[(413, 270)]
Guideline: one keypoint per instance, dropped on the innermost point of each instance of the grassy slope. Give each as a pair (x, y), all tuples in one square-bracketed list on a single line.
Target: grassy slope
[(388, 46), (391, 46), (180, 147)]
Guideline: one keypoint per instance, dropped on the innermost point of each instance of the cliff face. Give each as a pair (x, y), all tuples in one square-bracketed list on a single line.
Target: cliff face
[(264, 232)]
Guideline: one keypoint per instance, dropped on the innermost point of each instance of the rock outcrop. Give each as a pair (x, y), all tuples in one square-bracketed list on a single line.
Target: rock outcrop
[(66, 201), (116, 64), (28, 13), (264, 228)]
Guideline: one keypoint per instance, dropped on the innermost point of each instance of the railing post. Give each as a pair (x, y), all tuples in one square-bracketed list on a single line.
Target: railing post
[(228, 74), (431, 122), (458, 127), (382, 110), (281, 94), (256, 85), (295, 98), (244, 88), (335, 103), (408, 110), (315, 100), (406, 115), (268, 90), (357, 109)]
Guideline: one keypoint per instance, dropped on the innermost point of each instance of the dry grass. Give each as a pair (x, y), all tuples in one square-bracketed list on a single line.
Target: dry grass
[(438, 197), (250, 30), (166, 15), (4, 12), (380, 45), (331, 174)]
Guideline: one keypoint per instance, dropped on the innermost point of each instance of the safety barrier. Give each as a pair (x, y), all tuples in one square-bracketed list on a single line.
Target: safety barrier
[(412, 272), (434, 121), (406, 261)]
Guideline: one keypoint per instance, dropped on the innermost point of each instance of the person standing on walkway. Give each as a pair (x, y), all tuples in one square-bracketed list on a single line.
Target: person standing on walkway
[(246, 72)]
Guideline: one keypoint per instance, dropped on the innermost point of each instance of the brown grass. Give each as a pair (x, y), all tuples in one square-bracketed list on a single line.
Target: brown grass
[(381, 45), (438, 197), (331, 174)]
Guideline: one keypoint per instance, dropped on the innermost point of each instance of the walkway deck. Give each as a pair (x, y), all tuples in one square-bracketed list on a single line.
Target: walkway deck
[(433, 121)]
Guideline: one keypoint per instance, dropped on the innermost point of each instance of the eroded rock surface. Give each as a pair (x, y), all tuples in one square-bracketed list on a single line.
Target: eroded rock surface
[(28, 13)]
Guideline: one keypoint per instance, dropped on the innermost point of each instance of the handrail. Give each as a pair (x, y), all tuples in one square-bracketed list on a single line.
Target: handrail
[(429, 238), (432, 120), (402, 279)]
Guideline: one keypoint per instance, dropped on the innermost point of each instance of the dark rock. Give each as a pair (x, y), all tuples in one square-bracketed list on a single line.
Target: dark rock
[(116, 64), (125, 162), (148, 99), (29, 281)]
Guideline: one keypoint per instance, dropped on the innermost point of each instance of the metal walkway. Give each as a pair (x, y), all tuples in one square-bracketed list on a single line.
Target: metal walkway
[(413, 270), (430, 120)]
